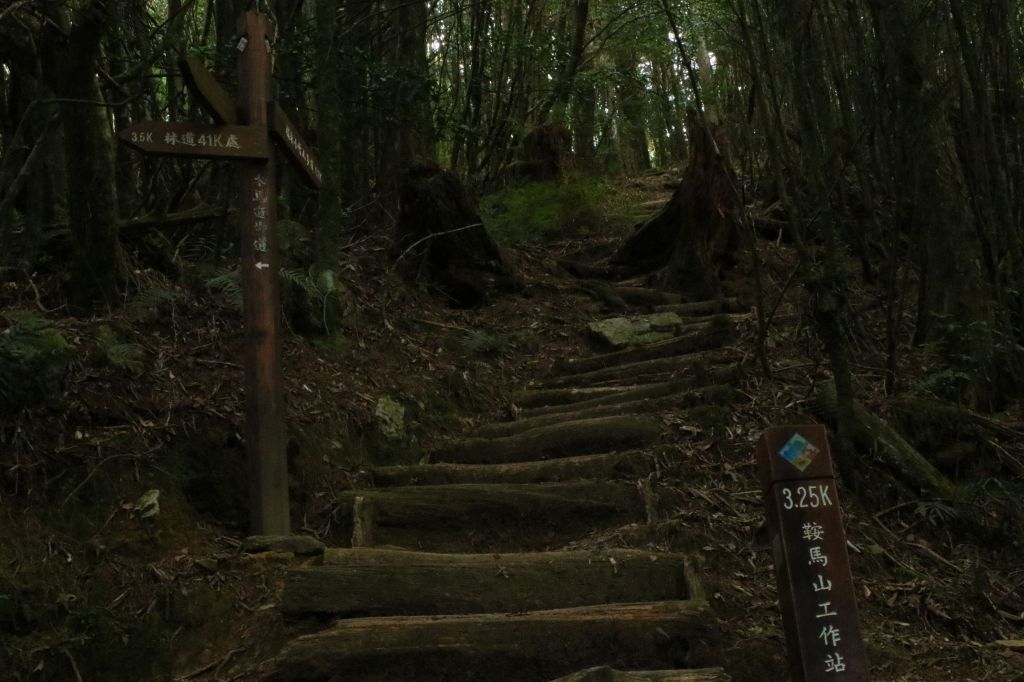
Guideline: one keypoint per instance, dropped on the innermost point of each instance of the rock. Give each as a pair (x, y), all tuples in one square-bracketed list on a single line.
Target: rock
[(207, 564), (391, 417), (620, 332), (300, 545), (148, 505)]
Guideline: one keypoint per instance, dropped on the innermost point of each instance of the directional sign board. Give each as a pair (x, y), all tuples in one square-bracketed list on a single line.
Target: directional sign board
[(250, 142), (299, 152), (812, 569), (194, 139), (214, 98)]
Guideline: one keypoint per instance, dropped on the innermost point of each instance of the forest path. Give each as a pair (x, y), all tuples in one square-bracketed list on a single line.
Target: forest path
[(483, 563)]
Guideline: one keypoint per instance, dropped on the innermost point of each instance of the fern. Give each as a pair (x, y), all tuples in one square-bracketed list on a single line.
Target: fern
[(229, 284), (146, 304), (33, 357)]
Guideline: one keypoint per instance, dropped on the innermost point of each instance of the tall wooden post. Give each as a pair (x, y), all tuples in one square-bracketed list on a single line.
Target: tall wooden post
[(265, 434)]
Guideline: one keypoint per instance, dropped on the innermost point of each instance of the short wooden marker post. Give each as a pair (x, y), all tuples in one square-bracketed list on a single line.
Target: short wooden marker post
[(812, 568), (246, 127)]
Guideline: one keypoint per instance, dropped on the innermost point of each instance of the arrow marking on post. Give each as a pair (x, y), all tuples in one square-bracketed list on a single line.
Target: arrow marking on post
[(262, 266)]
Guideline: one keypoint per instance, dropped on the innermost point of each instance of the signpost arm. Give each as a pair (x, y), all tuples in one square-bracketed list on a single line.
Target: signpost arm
[(265, 434)]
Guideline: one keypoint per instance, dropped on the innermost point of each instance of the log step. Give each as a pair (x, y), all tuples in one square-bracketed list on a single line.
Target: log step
[(536, 645), (387, 582), (565, 439), (647, 296), (608, 466), (701, 308), (485, 517), (713, 335), (646, 370), (729, 374), (716, 395), (535, 397), (605, 674)]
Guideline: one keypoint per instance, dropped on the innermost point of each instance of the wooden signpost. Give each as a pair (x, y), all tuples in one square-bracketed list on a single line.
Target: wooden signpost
[(812, 569), (245, 128)]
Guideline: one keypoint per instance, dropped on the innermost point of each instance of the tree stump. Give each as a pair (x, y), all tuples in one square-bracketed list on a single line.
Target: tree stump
[(695, 236), (440, 240), (544, 155)]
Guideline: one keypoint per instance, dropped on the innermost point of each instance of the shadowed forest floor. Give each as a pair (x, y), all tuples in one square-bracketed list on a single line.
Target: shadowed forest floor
[(93, 583)]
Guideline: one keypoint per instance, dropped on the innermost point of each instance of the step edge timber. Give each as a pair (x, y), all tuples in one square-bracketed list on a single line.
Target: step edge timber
[(692, 609), (433, 583), (605, 673), (673, 365), (539, 639), (558, 470)]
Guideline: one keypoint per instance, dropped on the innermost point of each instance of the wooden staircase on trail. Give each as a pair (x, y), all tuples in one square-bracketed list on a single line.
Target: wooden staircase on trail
[(459, 570)]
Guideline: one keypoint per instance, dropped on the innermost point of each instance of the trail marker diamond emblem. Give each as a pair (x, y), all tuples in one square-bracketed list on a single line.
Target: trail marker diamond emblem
[(799, 452)]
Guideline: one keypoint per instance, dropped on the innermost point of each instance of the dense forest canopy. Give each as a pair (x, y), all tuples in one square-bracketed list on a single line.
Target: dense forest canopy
[(889, 132)]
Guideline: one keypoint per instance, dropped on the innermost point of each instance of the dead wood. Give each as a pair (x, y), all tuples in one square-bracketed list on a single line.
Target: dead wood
[(564, 439), (525, 646), (657, 369), (705, 338), (388, 582), (718, 375), (490, 517), (605, 674), (595, 467)]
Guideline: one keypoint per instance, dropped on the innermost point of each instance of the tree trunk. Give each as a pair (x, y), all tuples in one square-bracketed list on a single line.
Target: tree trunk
[(97, 266), (440, 239), (632, 130), (696, 235)]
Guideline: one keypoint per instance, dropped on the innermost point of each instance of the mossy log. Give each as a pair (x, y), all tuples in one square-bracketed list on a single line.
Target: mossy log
[(605, 674), (491, 517), (530, 646), (539, 397), (387, 582), (871, 433), (595, 467), (646, 296), (658, 369), (729, 374), (708, 337), (704, 308), (588, 436), (719, 395)]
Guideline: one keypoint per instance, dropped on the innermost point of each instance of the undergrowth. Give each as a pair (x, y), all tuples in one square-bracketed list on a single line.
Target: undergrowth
[(539, 212)]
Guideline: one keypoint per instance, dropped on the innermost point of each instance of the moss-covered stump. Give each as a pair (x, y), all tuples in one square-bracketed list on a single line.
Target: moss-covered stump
[(386, 582), (587, 436), (489, 517), (532, 646), (609, 466)]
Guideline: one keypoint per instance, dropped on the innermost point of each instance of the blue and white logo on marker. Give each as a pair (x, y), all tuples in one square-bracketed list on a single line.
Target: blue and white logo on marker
[(799, 452)]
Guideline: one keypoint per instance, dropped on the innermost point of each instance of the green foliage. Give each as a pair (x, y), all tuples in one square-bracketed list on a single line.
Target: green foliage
[(33, 357), (481, 342), (312, 302), (539, 212), (229, 285), (148, 304), (126, 356)]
